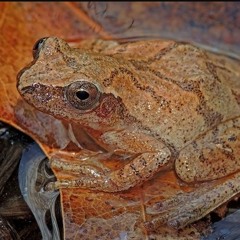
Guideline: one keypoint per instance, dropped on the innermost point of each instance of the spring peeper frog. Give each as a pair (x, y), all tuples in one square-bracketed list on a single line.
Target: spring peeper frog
[(161, 104)]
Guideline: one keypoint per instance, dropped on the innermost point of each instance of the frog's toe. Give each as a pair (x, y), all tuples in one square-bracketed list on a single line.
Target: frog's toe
[(175, 218)]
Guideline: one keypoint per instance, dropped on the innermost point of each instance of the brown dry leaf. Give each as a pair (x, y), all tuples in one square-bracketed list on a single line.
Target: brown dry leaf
[(91, 215)]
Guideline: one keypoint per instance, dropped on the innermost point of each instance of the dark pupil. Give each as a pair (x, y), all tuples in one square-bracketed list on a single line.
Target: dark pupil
[(82, 95)]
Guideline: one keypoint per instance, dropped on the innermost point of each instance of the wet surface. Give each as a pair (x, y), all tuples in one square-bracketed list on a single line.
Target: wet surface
[(16, 219), (33, 175)]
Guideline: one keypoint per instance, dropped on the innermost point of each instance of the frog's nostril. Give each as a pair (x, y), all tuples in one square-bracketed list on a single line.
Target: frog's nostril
[(37, 46)]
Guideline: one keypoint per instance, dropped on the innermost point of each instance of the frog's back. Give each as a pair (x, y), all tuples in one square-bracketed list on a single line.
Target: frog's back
[(187, 90), (214, 79)]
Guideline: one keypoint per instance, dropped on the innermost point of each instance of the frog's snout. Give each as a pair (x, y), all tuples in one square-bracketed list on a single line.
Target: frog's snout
[(19, 75), (21, 80)]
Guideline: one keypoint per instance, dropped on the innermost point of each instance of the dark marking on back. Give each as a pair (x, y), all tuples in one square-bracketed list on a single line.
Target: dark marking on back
[(212, 69), (237, 96), (128, 119), (163, 52), (159, 99), (108, 81), (210, 116)]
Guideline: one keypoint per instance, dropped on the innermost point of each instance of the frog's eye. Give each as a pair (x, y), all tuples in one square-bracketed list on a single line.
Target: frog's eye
[(37, 47), (82, 95)]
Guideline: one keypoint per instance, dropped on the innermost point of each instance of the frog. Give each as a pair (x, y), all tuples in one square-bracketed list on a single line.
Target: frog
[(155, 104)]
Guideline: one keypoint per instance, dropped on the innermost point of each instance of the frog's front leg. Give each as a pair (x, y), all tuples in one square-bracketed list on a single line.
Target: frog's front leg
[(137, 171), (85, 163)]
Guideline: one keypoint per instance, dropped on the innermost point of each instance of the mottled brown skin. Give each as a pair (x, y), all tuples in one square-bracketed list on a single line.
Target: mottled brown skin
[(162, 105)]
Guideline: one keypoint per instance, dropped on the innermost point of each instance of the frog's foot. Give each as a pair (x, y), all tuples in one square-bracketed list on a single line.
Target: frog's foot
[(185, 208), (176, 212)]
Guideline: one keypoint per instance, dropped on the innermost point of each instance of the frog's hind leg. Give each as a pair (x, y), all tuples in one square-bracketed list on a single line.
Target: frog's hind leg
[(186, 208), (213, 155)]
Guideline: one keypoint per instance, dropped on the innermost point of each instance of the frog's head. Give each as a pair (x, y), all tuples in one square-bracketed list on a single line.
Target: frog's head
[(68, 83)]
